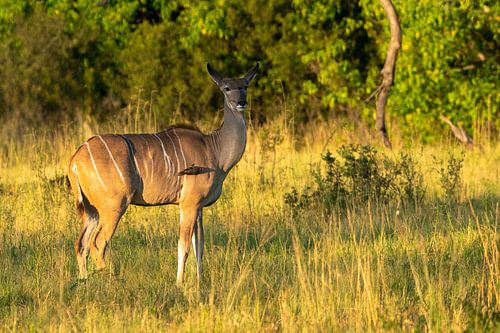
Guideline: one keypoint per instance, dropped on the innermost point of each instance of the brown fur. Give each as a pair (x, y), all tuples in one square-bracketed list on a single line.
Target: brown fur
[(179, 165)]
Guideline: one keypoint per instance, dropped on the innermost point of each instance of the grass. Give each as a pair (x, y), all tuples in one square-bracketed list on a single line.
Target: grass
[(365, 266)]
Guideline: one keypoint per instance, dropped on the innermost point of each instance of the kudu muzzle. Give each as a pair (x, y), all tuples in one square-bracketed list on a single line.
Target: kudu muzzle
[(237, 99)]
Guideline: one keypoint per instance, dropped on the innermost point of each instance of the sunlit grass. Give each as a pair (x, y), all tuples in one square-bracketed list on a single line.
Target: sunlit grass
[(369, 266)]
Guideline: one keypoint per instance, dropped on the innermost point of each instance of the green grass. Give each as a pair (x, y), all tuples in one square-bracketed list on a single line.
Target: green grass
[(367, 266)]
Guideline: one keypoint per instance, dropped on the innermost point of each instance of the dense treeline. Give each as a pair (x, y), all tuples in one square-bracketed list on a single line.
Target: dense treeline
[(64, 59)]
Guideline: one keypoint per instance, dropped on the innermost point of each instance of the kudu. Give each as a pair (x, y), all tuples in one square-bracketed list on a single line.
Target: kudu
[(176, 166)]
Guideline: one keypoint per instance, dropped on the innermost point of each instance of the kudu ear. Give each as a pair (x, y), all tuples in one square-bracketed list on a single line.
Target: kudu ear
[(251, 73), (216, 77)]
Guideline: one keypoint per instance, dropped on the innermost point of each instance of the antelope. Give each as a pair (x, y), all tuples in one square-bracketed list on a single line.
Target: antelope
[(178, 165)]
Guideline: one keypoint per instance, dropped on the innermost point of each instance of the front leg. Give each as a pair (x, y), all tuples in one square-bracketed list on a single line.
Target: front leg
[(198, 242), (188, 219)]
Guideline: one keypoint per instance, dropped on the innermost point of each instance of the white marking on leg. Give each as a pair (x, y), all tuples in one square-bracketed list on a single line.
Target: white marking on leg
[(113, 159), (91, 224), (180, 263), (194, 241), (95, 167), (182, 256)]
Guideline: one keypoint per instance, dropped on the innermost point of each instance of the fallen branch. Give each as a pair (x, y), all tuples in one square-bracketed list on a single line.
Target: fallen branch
[(459, 132)]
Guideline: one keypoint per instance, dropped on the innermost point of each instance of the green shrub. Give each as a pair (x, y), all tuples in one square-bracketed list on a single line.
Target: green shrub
[(450, 178), (359, 175)]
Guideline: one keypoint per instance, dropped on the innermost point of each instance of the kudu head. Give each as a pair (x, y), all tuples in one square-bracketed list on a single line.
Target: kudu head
[(234, 90)]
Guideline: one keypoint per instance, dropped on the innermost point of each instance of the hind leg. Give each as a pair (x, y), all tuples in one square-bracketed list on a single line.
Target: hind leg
[(108, 222), (198, 241), (82, 243)]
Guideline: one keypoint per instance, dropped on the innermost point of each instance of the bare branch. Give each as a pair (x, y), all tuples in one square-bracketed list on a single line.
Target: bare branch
[(373, 94), (459, 132), (102, 3), (388, 70)]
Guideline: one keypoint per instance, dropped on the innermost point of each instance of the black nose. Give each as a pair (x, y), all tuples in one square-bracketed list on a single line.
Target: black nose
[(242, 103)]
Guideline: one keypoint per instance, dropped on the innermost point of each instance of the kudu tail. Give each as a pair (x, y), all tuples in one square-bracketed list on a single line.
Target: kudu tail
[(80, 208), (77, 190)]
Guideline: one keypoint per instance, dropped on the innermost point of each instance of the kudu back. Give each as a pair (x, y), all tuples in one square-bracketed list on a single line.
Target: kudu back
[(179, 166)]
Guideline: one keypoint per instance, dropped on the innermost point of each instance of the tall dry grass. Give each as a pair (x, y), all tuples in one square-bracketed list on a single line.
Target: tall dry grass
[(366, 266)]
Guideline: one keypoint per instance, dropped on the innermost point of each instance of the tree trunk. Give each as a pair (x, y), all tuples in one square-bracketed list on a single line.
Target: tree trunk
[(388, 70)]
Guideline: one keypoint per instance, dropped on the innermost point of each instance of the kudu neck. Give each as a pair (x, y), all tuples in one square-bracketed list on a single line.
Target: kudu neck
[(231, 138)]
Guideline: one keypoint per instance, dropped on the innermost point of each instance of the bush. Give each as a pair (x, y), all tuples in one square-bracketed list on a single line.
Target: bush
[(38, 74), (450, 179), (359, 175)]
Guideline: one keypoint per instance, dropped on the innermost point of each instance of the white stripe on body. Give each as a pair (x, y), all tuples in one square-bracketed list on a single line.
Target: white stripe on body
[(95, 167), (182, 152), (168, 164), (137, 165), (175, 151), (152, 166), (177, 158), (127, 142), (75, 169), (172, 162), (144, 162), (113, 159)]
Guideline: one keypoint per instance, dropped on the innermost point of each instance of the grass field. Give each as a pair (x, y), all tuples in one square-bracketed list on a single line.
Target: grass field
[(365, 265)]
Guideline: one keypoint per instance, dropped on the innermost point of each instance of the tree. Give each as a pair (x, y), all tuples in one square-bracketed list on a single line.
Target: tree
[(388, 69)]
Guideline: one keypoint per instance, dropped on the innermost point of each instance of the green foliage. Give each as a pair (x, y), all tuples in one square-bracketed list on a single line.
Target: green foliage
[(449, 62), (39, 75), (63, 57), (449, 177), (357, 176)]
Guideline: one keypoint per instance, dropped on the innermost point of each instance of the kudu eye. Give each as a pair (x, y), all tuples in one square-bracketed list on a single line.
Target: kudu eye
[(227, 89)]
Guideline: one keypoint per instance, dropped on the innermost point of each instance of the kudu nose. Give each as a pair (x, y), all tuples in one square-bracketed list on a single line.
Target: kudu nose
[(242, 104)]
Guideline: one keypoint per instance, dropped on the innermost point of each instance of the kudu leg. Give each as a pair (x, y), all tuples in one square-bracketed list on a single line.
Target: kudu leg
[(82, 243), (188, 220), (104, 231), (198, 240)]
